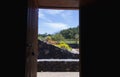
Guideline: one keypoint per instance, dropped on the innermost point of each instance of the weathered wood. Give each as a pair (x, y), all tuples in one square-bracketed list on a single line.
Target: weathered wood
[(59, 4), (31, 47), (86, 2), (64, 4)]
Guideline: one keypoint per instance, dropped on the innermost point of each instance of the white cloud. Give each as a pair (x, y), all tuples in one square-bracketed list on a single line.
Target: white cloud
[(67, 15), (57, 26), (52, 21), (54, 11), (41, 15), (52, 28)]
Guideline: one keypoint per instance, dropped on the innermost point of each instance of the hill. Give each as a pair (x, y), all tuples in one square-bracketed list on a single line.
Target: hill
[(70, 32)]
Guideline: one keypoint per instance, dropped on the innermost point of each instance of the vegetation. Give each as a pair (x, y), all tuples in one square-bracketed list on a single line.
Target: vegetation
[(60, 44), (70, 41), (63, 38), (58, 37), (63, 45), (70, 35)]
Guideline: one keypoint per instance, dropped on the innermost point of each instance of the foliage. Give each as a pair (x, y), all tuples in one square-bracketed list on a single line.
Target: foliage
[(57, 37), (48, 38), (70, 41), (70, 33), (77, 38), (63, 45), (41, 38), (44, 35)]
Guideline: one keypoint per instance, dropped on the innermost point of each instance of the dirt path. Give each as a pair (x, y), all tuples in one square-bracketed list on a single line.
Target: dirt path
[(58, 74)]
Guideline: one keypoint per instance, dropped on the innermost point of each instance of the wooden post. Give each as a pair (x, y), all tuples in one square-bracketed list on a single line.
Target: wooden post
[(32, 42)]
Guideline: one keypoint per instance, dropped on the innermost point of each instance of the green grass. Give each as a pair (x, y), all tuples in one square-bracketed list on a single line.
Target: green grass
[(71, 42), (68, 41)]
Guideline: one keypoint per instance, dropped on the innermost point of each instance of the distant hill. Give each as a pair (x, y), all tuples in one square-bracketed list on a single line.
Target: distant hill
[(70, 32)]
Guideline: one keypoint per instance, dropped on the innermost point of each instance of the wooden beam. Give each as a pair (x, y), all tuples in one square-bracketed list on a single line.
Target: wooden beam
[(63, 4), (59, 4), (86, 2)]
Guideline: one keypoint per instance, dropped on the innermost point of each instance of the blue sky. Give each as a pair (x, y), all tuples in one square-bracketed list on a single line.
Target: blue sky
[(51, 21)]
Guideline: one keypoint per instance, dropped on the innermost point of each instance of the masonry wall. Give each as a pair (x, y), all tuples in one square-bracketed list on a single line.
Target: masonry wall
[(58, 66), (48, 51)]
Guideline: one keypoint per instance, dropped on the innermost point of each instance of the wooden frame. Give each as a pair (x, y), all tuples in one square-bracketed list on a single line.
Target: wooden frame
[(32, 48), (59, 4), (32, 27)]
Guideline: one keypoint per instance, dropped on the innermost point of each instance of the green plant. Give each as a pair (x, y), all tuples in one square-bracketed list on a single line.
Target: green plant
[(48, 38), (58, 37), (63, 45)]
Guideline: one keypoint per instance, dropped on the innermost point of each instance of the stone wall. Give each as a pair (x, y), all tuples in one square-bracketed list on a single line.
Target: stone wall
[(74, 45), (48, 51), (58, 66)]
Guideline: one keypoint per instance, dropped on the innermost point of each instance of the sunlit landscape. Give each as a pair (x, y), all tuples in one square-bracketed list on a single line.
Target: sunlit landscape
[(58, 43)]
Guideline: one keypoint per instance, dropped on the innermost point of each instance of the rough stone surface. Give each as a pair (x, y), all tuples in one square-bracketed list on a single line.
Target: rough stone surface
[(58, 66), (48, 51)]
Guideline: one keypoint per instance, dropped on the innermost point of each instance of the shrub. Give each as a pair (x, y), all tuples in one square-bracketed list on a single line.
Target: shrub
[(63, 45)]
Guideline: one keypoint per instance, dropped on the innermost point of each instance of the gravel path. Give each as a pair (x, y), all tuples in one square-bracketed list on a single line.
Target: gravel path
[(58, 74)]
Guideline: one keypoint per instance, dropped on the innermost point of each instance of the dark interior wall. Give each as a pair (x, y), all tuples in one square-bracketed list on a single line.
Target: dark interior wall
[(99, 39), (95, 22), (88, 28), (13, 37), (98, 50)]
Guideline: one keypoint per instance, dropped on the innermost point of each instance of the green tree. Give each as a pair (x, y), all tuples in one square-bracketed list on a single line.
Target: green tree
[(58, 37), (48, 38), (77, 38), (70, 33)]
